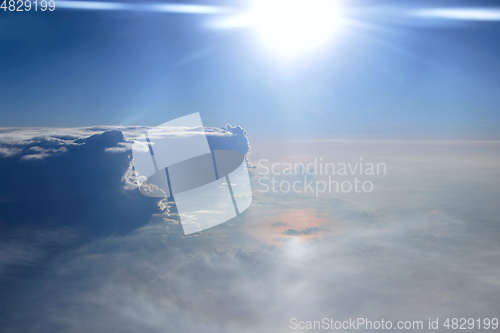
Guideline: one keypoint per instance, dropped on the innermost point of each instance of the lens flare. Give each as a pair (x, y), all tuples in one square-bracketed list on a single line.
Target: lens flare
[(294, 26)]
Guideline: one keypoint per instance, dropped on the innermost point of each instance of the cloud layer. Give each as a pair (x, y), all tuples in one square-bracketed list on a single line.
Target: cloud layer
[(288, 256)]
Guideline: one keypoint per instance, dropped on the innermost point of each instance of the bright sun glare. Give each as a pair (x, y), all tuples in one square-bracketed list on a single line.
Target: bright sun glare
[(290, 27)]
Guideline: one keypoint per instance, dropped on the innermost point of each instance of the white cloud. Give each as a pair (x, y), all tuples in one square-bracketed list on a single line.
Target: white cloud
[(406, 260)]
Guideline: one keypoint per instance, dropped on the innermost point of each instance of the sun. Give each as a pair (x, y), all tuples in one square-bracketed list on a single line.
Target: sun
[(291, 27)]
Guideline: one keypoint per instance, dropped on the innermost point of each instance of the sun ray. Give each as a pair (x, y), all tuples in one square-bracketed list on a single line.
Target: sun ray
[(152, 7)]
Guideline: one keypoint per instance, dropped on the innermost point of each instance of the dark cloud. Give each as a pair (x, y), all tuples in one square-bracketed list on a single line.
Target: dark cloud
[(72, 183), (306, 231)]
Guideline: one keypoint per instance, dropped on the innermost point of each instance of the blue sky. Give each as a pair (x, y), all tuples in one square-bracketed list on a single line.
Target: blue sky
[(84, 68)]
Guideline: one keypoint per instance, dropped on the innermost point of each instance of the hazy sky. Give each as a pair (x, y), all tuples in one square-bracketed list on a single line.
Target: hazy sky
[(90, 67)]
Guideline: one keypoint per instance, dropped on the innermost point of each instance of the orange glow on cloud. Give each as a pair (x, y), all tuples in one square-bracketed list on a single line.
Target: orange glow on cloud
[(297, 224)]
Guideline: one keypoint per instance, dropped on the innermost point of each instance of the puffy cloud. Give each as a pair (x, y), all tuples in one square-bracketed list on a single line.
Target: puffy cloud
[(228, 137), (80, 178)]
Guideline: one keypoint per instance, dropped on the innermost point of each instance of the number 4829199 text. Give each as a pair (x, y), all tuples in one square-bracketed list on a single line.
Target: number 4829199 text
[(28, 5)]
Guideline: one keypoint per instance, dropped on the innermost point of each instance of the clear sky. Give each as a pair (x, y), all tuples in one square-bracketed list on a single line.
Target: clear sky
[(136, 67)]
